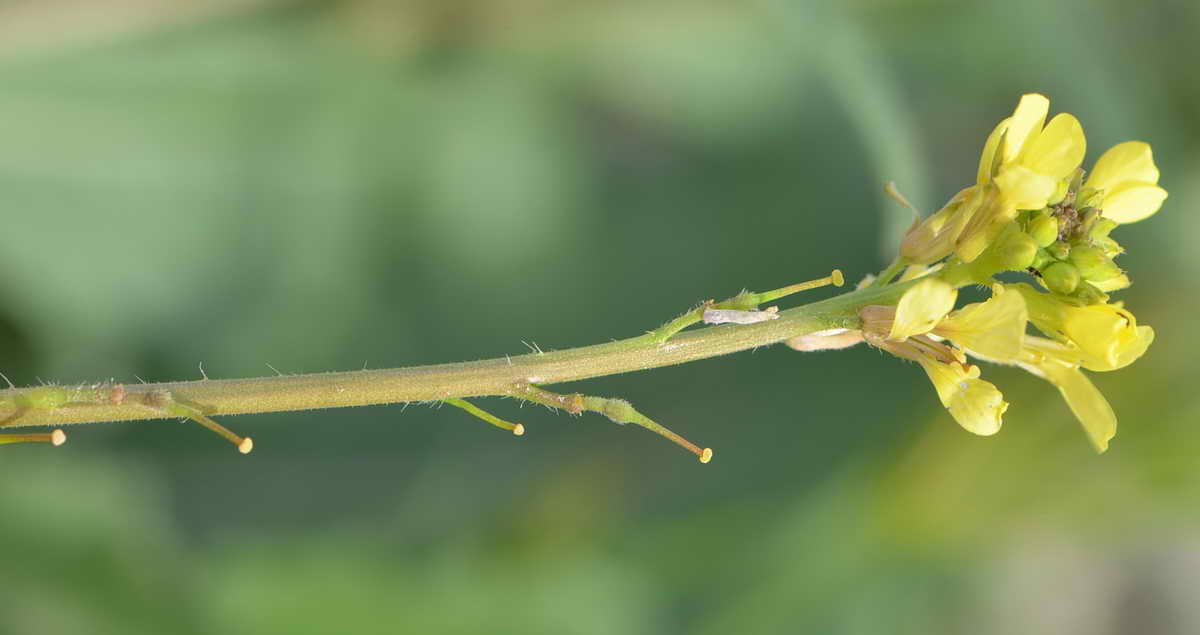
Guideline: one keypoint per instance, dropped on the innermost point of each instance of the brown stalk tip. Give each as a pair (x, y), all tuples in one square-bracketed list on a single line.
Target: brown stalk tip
[(58, 437), (518, 430), (246, 445), (706, 455)]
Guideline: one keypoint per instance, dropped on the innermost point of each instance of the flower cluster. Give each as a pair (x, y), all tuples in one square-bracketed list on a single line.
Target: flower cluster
[(1032, 210)]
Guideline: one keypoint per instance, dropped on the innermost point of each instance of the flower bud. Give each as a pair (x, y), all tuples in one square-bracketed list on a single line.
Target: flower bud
[(1076, 180), (1018, 251), (1061, 277), (1088, 196), (1109, 246), (1044, 229), (1102, 228), (1093, 264), (1060, 193), (933, 238), (1059, 250), (1090, 294), (1042, 259)]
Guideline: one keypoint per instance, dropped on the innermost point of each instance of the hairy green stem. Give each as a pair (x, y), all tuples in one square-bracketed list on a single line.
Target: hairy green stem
[(894, 269), (440, 382)]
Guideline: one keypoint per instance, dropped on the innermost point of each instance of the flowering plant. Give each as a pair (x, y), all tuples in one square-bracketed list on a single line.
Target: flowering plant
[(1032, 210)]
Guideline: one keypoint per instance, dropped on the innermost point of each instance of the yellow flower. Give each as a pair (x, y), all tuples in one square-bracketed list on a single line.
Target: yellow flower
[(1129, 179), (1104, 336), (1059, 364), (1037, 158), (975, 404), (1023, 165)]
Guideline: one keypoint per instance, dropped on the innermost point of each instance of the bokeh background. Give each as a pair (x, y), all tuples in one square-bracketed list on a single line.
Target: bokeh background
[(326, 186)]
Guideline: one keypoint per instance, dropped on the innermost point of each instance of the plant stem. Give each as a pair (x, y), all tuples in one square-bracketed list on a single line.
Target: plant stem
[(502, 376), (886, 275)]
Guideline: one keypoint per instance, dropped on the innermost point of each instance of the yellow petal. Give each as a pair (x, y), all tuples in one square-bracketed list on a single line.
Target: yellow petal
[(1086, 402), (1058, 150), (979, 408), (995, 328), (1026, 121), (975, 404), (1131, 345), (1098, 333), (1026, 188), (1129, 161), (1133, 201), (989, 152), (922, 307), (1113, 284)]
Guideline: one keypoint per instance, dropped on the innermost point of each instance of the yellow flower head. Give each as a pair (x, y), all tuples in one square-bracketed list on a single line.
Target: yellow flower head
[(1029, 210)]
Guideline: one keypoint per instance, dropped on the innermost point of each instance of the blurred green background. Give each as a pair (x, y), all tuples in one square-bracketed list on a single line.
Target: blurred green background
[(323, 186)]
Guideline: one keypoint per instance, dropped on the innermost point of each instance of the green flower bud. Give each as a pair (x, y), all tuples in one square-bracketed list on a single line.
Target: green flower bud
[(1059, 250), (1061, 278), (1090, 294), (1018, 252), (1044, 229), (1042, 260), (1093, 264), (1110, 247), (1088, 217), (1076, 180), (1102, 228), (1088, 196), (1060, 193)]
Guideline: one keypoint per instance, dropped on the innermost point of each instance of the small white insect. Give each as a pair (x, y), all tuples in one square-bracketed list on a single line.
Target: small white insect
[(731, 316)]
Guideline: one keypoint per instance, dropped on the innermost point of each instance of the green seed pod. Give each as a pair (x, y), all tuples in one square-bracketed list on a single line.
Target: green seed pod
[(1093, 264), (1061, 277), (1059, 250), (1044, 229), (1018, 252)]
